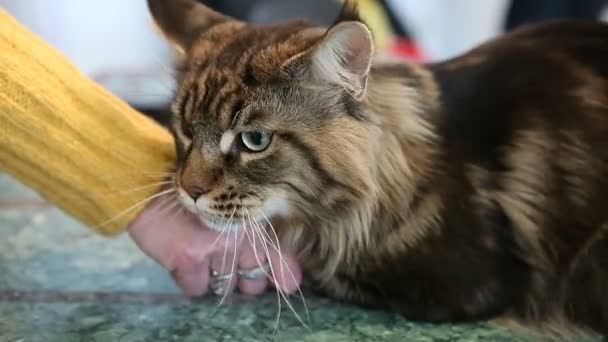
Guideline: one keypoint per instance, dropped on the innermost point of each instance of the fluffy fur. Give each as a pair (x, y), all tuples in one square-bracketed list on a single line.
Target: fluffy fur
[(470, 189)]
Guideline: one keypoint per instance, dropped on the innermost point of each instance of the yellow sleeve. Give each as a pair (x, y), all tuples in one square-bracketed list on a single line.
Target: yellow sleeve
[(80, 147)]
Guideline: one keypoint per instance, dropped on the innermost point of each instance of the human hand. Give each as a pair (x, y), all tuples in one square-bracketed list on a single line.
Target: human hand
[(191, 251)]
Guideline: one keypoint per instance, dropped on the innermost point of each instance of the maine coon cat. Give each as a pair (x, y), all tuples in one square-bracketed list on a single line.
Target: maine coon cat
[(463, 190)]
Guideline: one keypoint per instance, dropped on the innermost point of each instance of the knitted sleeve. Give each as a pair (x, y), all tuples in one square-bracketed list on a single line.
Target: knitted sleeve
[(66, 137)]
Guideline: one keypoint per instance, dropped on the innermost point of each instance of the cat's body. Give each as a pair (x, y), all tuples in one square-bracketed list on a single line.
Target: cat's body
[(505, 210), (464, 190)]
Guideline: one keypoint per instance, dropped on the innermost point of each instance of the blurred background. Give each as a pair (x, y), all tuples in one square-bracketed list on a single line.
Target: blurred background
[(114, 43)]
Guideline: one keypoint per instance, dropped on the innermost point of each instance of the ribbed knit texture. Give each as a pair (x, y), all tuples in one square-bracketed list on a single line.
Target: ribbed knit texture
[(63, 135)]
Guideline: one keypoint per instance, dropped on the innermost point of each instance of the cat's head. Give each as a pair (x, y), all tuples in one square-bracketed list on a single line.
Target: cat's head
[(268, 120)]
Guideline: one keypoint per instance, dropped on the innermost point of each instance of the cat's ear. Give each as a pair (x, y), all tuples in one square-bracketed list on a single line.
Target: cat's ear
[(181, 21), (343, 57)]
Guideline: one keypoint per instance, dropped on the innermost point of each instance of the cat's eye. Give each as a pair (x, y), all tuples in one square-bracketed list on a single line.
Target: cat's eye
[(256, 141)]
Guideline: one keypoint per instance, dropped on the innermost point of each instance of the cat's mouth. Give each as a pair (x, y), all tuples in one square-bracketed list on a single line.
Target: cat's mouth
[(229, 217), (237, 218), (233, 223)]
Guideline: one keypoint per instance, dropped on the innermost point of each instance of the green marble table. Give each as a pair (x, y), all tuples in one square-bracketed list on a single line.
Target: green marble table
[(60, 282)]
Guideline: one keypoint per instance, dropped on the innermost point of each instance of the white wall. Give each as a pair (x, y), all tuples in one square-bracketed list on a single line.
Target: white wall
[(446, 28), (112, 41)]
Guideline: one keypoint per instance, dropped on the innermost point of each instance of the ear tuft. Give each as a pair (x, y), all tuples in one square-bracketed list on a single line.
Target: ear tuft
[(181, 21), (344, 57), (349, 12)]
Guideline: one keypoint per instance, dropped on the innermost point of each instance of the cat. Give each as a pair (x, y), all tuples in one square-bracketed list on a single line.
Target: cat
[(463, 190)]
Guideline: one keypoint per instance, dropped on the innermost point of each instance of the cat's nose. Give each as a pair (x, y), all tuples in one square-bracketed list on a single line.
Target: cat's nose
[(195, 191), (199, 175)]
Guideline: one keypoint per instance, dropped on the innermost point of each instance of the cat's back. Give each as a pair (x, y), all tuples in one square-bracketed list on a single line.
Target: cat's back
[(581, 41), (524, 130), (524, 124), (553, 74)]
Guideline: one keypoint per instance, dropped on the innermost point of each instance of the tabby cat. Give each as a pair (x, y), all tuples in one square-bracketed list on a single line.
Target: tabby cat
[(463, 190)]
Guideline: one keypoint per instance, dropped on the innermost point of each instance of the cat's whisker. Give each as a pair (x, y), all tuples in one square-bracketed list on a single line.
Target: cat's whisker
[(260, 230), (224, 257), (283, 261), (218, 238), (160, 174), (270, 275), (225, 248), (232, 268), (283, 295), (223, 229), (135, 206), (254, 230), (176, 210), (162, 204), (143, 187), (253, 243), (277, 243), (224, 262), (172, 203)]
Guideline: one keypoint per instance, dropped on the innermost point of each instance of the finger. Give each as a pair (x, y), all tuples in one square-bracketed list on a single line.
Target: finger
[(193, 279), (223, 263), (287, 274), (165, 236), (251, 256)]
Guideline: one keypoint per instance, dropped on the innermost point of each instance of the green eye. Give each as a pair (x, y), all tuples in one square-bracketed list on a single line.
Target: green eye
[(256, 141)]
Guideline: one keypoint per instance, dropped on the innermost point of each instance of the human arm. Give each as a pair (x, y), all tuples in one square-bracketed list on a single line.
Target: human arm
[(97, 159)]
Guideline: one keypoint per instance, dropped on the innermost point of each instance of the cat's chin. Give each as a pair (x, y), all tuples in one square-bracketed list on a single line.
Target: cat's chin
[(251, 216), (250, 223), (235, 224), (223, 227)]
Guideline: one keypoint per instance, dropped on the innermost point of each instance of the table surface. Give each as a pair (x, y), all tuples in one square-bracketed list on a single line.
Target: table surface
[(61, 282)]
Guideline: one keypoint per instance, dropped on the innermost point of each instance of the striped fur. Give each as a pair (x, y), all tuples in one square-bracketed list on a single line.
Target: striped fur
[(470, 189)]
